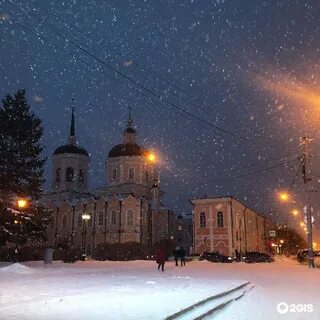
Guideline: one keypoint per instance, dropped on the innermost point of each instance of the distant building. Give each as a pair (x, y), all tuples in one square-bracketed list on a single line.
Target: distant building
[(183, 232), (226, 225), (127, 208)]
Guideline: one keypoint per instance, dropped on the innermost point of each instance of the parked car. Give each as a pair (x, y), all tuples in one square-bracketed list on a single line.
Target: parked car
[(257, 257), (303, 255), (215, 257)]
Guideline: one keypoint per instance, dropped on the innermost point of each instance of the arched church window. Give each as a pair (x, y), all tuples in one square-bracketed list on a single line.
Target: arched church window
[(81, 175), (58, 175), (114, 174), (64, 222), (69, 174), (131, 173), (129, 218), (79, 220), (113, 218), (219, 219), (100, 219), (202, 220)]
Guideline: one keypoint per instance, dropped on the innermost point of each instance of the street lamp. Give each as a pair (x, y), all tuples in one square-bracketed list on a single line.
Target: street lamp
[(22, 203), (151, 157), (295, 212), (85, 218), (283, 196)]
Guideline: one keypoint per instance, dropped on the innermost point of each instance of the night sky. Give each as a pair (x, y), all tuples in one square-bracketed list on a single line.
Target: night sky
[(220, 90)]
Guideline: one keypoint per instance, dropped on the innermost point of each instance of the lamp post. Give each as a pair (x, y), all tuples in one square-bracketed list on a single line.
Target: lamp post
[(22, 203), (85, 218)]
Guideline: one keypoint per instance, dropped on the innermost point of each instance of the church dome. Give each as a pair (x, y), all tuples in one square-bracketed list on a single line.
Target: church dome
[(70, 148), (126, 150)]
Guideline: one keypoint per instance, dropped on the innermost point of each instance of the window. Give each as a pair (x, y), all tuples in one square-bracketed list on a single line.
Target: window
[(147, 175), (69, 174), (114, 174), (64, 221), (81, 175), (202, 220), (52, 224), (100, 219), (79, 220), (113, 218), (219, 219), (58, 175), (131, 173), (129, 218), (180, 227)]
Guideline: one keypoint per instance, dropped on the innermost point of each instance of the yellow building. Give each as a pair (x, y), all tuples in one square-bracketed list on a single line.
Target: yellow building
[(126, 209)]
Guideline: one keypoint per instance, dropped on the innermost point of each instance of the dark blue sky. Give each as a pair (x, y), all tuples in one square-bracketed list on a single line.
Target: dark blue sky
[(235, 64)]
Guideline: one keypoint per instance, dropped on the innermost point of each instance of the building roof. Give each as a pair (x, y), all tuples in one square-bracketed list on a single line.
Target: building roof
[(70, 148), (126, 150), (227, 198)]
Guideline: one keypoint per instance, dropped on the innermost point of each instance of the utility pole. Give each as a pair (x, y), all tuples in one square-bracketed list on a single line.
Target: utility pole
[(306, 179)]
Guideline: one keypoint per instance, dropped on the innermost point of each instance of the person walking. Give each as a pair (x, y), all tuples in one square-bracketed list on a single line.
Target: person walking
[(160, 258), (176, 254), (182, 254)]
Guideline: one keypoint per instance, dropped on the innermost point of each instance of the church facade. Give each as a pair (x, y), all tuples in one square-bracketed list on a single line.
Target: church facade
[(127, 208)]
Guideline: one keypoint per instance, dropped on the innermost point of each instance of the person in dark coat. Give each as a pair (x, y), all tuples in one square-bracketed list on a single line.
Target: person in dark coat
[(160, 258), (182, 256), (176, 254)]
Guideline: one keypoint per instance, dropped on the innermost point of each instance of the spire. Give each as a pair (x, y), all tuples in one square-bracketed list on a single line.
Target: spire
[(72, 136), (129, 119), (129, 135)]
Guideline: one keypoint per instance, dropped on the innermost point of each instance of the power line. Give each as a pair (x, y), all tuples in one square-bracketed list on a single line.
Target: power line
[(267, 160), (159, 76), (218, 180), (128, 78), (252, 172)]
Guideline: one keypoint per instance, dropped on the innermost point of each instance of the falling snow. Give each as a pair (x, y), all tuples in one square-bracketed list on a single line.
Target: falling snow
[(251, 68)]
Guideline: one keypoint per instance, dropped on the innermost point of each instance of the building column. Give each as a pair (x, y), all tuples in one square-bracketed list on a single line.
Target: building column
[(211, 231)]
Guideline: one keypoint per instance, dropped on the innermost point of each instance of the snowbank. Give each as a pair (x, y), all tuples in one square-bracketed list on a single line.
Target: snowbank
[(16, 268)]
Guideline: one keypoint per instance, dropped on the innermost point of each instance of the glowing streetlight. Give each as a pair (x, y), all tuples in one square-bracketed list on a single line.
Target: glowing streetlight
[(85, 217), (22, 203), (281, 241), (151, 157), (284, 196), (302, 224), (295, 212)]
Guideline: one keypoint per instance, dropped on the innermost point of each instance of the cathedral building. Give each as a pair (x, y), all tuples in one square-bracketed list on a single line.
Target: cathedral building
[(127, 208)]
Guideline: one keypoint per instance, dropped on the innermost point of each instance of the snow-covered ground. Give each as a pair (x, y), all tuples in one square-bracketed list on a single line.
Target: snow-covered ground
[(137, 290)]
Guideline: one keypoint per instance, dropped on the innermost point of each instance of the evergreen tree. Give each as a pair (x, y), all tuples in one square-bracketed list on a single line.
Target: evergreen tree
[(21, 172)]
